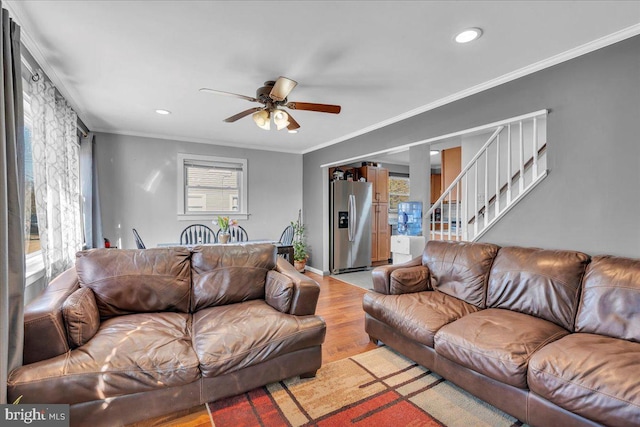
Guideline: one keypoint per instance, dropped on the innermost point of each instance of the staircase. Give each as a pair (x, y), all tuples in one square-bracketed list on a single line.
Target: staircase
[(512, 161)]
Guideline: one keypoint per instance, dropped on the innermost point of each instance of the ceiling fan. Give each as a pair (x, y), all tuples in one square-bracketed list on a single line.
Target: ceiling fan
[(273, 97)]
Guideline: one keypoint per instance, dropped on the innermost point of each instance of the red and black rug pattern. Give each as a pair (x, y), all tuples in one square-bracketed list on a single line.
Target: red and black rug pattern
[(376, 388)]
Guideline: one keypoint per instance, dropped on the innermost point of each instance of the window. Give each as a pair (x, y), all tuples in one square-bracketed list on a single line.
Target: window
[(398, 191), (209, 186), (32, 237)]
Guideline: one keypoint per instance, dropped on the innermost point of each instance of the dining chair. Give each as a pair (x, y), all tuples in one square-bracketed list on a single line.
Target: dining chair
[(197, 234), (238, 234), (286, 238), (139, 242)]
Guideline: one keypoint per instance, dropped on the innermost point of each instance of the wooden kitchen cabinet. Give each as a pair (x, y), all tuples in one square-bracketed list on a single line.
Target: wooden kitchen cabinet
[(451, 168), (380, 235), (380, 179), (436, 187)]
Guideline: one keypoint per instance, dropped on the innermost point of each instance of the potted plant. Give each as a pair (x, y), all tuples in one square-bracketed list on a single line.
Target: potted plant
[(300, 255), (224, 223)]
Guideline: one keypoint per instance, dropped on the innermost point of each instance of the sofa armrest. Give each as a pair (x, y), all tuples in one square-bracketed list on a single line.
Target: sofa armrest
[(45, 335), (305, 290), (382, 275), (408, 280)]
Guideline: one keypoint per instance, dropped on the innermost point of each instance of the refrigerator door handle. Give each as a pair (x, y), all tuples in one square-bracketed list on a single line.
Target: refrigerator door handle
[(352, 217)]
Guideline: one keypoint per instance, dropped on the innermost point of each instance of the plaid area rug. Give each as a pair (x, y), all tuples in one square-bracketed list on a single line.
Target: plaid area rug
[(376, 388)]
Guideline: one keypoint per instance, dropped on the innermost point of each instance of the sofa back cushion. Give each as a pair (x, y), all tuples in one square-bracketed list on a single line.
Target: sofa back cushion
[(538, 282), (127, 281), (610, 298), (460, 269), (226, 274)]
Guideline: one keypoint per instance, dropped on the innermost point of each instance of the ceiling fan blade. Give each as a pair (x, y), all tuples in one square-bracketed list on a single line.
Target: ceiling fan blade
[(234, 95), (293, 125), (323, 108), (242, 114), (282, 88)]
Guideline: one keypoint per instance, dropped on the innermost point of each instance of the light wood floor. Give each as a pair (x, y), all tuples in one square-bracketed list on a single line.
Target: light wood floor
[(340, 305)]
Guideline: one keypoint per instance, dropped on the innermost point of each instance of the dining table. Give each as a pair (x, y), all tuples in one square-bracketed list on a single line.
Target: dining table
[(285, 250)]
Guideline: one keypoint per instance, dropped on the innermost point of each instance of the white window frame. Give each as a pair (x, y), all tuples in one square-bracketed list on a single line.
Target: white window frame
[(398, 194), (210, 216)]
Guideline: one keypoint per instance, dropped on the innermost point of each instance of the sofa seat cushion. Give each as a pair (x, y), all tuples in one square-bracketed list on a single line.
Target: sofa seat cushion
[(129, 354), (231, 337), (419, 315), (591, 375), (496, 343)]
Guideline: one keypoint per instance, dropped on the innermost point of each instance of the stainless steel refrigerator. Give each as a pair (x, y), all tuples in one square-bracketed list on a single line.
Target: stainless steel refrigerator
[(350, 225)]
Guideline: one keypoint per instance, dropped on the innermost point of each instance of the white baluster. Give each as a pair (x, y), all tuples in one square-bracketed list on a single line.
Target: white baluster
[(486, 187), (432, 221), (475, 203), (535, 149), (509, 165), (497, 202), (458, 201), (442, 216), (465, 208), (521, 179), (449, 218)]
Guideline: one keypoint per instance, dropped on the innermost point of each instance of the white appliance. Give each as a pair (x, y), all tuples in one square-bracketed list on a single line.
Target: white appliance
[(405, 248)]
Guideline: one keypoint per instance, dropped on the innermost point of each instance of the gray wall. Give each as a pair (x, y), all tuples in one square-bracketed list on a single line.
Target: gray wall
[(138, 183), (594, 154)]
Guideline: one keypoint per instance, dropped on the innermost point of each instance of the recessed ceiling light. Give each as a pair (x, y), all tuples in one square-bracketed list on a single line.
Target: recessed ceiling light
[(293, 131), (468, 35), (163, 112), (434, 152)]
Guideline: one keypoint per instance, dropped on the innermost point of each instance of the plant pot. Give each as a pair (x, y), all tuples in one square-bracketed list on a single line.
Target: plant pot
[(299, 265), (224, 237)]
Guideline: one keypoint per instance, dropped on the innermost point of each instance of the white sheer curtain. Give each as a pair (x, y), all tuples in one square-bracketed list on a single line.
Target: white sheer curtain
[(57, 177)]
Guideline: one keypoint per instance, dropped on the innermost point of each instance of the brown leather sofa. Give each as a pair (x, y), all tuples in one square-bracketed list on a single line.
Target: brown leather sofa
[(131, 334), (550, 337)]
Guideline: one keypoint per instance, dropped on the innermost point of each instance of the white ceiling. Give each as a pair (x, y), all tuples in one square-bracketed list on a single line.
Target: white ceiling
[(118, 61)]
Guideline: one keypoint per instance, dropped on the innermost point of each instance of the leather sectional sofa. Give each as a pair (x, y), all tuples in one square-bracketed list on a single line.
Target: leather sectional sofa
[(128, 335), (550, 337)]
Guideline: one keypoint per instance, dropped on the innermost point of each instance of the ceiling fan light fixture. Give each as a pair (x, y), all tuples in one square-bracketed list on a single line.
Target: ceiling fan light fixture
[(262, 118), (281, 119), (273, 97), (468, 35)]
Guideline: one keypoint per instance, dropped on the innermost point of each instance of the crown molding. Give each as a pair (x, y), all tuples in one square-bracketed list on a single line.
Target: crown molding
[(591, 46), (17, 14), (196, 140)]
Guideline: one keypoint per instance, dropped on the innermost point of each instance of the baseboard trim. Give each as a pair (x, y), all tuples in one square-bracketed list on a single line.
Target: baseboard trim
[(316, 271)]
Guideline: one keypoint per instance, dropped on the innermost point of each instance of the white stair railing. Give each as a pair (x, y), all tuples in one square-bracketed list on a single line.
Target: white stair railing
[(487, 188)]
